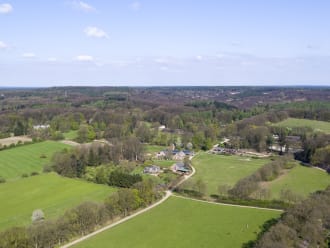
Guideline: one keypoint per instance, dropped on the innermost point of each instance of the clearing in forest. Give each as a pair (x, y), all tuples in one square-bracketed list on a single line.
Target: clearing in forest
[(322, 126)]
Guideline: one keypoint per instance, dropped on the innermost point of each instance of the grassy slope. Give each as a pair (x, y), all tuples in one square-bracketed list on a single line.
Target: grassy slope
[(316, 125), (26, 159), (301, 180), (51, 193), (219, 169), (71, 135), (179, 223)]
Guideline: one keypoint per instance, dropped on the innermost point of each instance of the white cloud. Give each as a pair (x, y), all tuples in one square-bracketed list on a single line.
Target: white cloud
[(80, 5), (28, 55), (96, 32), (136, 6), (3, 45), (84, 58), (5, 8)]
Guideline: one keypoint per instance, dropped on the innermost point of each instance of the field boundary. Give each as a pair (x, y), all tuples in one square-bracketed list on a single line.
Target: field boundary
[(167, 195), (227, 204)]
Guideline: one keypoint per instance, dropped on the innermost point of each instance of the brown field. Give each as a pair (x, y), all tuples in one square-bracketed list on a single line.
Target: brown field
[(14, 140)]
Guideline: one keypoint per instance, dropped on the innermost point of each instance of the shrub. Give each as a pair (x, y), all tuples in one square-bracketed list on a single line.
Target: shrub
[(43, 156), (34, 173), (37, 215), (25, 175), (2, 180), (47, 169)]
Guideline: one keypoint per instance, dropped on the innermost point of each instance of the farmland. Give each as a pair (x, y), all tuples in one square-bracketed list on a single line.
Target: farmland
[(179, 223), (300, 180), (49, 192), (217, 170), (28, 158), (322, 126)]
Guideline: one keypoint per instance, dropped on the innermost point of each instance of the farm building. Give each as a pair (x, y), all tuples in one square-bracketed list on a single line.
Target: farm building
[(179, 156), (153, 169), (160, 155), (38, 127), (180, 167)]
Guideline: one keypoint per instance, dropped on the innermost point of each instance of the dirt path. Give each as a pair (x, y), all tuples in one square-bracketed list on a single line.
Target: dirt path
[(14, 140), (70, 142), (167, 195)]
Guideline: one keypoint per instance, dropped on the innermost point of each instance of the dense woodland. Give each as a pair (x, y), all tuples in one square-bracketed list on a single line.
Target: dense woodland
[(201, 116), (124, 120)]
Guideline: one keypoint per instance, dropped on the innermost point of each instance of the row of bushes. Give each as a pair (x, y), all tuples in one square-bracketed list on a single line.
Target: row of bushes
[(82, 219), (246, 186), (19, 143), (275, 204)]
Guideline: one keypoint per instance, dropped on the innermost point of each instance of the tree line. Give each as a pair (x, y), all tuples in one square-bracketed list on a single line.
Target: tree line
[(73, 163), (82, 219), (306, 224)]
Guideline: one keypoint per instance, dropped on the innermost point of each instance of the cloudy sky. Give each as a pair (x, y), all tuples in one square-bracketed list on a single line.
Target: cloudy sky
[(164, 42)]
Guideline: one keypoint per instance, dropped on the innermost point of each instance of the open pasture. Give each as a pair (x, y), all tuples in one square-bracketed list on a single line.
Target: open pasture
[(300, 180), (185, 223), (322, 126), (51, 193), (27, 158), (215, 170)]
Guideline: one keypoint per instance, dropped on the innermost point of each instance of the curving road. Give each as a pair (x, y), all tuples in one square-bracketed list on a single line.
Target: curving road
[(167, 195)]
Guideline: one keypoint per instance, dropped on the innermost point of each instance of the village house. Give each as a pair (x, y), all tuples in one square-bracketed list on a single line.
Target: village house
[(180, 167), (160, 155), (179, 156), (38, 127), (153, 169)]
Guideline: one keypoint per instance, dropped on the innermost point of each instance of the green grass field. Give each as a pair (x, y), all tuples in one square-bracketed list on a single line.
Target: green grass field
[(215, 170), (154, 148), (164, 163), (51, 193), (26, 159), (185, 223), (300, 180), (71, 135), (315, 125)]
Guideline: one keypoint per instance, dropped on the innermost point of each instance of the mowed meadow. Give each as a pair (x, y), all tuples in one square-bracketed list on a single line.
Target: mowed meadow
[(185, 223), (322, 126), (301, 180), (215, 170), (50, 192), (26, 159)]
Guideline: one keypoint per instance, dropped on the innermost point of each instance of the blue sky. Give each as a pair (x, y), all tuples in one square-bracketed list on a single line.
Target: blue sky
[(164, 42)]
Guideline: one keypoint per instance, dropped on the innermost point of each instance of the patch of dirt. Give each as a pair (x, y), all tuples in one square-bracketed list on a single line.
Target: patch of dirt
[(14, 140), (70, 142)]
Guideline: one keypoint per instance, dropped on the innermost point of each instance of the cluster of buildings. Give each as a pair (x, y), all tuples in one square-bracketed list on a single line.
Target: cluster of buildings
[(175, 154), (222, 150)]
